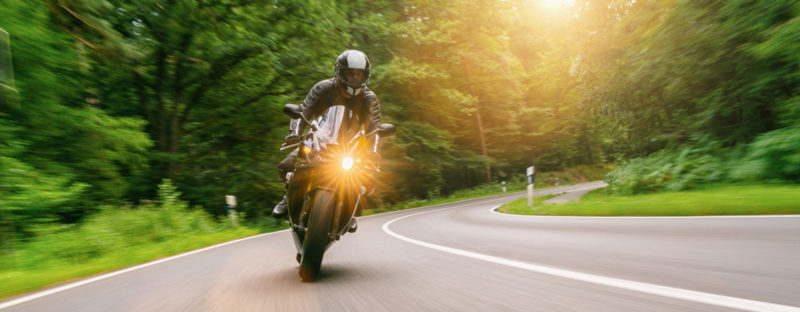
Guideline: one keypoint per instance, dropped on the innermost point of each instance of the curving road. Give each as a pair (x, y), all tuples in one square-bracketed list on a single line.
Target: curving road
[(464, 257)]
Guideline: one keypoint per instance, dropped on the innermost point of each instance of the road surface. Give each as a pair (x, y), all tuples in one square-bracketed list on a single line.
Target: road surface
[(463, 256)]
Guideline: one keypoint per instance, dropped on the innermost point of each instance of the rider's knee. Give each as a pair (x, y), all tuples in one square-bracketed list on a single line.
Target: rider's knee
[(286, 166)]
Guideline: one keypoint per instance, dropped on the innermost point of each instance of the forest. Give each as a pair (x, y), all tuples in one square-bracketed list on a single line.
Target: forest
[(114, 96)]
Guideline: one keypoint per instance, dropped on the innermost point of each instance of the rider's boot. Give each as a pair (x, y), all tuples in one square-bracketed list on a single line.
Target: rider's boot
[(279, 212), (353, 226)]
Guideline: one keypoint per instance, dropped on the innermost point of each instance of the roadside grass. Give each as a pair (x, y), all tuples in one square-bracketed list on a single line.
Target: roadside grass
[(23, 272), (114, 238), (718, 200), (521, 205)]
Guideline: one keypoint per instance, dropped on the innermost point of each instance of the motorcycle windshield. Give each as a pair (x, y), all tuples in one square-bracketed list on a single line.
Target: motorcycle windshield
[(337, 125)]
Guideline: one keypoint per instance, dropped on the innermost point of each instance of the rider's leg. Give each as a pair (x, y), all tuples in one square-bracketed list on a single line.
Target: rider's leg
[(286, 166)]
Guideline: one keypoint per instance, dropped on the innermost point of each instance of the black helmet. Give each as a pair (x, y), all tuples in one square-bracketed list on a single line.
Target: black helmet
[(352, 60)]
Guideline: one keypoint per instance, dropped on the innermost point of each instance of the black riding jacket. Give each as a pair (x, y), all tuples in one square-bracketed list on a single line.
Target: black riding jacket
[(326, 94)]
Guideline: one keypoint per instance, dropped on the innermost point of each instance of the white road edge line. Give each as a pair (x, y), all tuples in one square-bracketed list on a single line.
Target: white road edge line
[(43, 293), (47, 292), (671, 292)]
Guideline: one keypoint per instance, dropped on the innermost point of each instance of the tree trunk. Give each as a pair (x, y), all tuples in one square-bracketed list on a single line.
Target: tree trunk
[(159, 95), (587, 145), (479, 121), (174, 144)]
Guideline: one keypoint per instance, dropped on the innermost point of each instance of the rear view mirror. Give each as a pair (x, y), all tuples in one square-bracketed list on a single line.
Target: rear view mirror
[(386, 130), (293, 111)]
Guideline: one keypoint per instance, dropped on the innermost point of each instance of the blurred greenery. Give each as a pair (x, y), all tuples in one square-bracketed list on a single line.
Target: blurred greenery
[(112, 96), (708, 92), (60, 154)]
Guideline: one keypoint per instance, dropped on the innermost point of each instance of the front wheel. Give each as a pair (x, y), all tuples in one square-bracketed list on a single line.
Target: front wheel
[(316, 237)]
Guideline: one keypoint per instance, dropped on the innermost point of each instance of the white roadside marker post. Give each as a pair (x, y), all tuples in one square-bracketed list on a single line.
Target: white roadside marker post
[(531, 178), (230, 204), (504, 186)]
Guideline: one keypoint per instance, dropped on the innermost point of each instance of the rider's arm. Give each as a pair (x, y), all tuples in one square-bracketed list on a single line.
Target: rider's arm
[(311, 105), (373, 110), (373, 113)]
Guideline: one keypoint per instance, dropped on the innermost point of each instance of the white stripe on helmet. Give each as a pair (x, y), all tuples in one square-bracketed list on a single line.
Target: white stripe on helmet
[(356, 59)]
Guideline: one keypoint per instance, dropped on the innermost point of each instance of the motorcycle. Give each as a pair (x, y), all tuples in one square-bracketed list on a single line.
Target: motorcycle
[(329, 181)]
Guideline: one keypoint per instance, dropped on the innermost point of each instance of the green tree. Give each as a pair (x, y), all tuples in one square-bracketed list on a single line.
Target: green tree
[(61, 154), (693, 77), (455, 85), (210, 78), (710, 79)]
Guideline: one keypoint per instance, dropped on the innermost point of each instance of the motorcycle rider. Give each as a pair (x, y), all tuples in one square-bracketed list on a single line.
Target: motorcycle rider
[(348, 88)]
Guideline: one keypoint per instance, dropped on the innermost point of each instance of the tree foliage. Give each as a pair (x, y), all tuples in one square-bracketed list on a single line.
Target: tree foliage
[(117, 94), (60, 152)]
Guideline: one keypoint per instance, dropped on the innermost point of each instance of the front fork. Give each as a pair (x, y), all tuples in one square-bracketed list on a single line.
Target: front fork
[(341, 215), (299, 194), (340, 209)]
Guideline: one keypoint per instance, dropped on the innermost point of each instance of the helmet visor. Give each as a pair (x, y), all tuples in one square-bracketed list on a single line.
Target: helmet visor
[(355, 77)]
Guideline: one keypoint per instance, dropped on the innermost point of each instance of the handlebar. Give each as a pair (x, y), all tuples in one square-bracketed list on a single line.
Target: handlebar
[(287, 147)]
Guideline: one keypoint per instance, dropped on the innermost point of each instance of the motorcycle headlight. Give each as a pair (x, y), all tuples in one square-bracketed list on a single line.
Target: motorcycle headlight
[(347, 163)]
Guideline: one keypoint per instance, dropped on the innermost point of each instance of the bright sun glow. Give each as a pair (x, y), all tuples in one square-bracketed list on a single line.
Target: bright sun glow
[(553, 4)]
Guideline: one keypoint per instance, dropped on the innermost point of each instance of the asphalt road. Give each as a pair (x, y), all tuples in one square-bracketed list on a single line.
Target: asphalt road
[(464, 257)]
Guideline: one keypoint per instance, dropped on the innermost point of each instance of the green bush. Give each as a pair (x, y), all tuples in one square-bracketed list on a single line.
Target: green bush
[(115, 228), (774, 155), (671, 170)]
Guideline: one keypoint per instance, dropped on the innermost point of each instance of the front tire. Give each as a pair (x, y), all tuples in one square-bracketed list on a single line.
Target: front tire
[(316, 236)]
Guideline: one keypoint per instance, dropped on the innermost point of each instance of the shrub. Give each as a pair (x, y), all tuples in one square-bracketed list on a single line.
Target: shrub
[(671, 169), (774, 155), (114, 228)]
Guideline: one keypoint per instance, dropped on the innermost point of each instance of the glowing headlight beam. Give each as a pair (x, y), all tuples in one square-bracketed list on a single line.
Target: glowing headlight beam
[(347, 163)]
